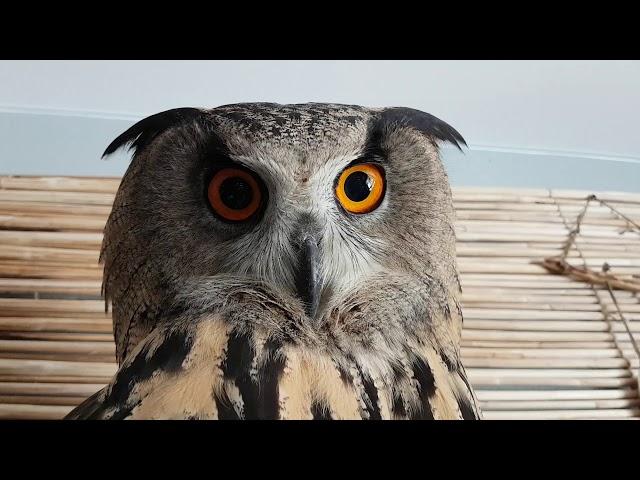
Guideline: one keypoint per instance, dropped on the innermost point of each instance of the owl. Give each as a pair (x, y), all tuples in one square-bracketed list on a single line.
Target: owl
[(268, 261)]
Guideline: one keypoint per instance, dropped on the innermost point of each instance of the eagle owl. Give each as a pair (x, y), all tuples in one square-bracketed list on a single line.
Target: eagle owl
[(269, 261)]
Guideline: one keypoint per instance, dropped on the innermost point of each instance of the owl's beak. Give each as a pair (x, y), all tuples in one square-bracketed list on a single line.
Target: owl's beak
[(308, 280)]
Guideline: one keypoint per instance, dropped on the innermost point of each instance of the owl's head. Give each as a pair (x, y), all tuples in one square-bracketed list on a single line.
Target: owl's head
[(323, 205)]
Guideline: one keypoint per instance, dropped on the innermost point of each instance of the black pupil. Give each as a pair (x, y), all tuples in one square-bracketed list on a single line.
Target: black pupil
[(358, 186), (236, 193)]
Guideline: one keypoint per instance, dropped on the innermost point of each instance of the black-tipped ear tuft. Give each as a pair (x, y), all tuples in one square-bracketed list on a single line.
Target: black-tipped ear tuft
[(423, 122), (143, 132)]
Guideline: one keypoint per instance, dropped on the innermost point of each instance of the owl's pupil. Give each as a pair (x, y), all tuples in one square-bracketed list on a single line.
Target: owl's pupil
[(236, 193), (358, 186)]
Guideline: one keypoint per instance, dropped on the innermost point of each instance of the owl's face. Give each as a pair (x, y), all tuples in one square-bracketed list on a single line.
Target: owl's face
[(316, 201)]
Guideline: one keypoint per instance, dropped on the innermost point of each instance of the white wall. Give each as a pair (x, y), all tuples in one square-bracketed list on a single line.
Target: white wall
[(585, 111)]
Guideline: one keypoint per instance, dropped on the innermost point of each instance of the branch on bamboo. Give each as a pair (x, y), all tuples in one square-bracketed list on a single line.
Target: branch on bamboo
[(559, 266)]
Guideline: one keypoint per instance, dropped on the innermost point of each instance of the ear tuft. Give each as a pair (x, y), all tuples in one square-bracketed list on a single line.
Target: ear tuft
[(143, 132), (424, 123)]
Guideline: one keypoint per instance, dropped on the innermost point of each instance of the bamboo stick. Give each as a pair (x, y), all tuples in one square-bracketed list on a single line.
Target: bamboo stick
[(65, 356), (612, 228), (470, 250), (507, 217), (519, 285), (546, 281), (536, 373), (50, 389), (549, 326), (534, 294), (549, 381), (463, 236), (626, 264), (532, 305), (531, 344), (57, 336), (515, 285), (469, 334), (52, 208), (531, 395), (40, 400), (548, 238), (558, 209), (55, 324), (538, 201), (530, 336), (561, 404), (619, 351), (562, 414), (33, 412), (500, 296), (587, 248), (49, 379), (630, 208), (551, 211), (67, 184), (71, 315), (51, 222), (546, 363), (628, 308), (609, 196), (470, 190), (476, 267), (56, 368), (569, 194), (491, 246), (509, 352), (514, 314), (501, 197), (46, 285), (83, 240), (78, 348), (47, 307), (93, 266), (41, 270), (48, 254), (81, 198)]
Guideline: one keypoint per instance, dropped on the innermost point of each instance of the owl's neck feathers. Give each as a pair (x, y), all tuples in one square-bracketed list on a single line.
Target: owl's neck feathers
[(248, 353)]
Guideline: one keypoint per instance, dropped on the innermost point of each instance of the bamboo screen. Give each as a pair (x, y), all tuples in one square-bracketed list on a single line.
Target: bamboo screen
[(536, 345)]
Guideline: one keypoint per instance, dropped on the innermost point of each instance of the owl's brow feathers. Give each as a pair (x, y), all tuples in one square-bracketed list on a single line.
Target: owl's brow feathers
[(142, 133)]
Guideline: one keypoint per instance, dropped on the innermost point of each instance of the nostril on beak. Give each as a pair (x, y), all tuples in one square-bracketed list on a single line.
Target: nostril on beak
[(308, 281)]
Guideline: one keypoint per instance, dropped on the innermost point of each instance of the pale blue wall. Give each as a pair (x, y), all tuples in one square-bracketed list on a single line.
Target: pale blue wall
[(540, 124)]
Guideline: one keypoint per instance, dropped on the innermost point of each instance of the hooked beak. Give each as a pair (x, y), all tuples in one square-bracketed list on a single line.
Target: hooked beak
[(308, 281)]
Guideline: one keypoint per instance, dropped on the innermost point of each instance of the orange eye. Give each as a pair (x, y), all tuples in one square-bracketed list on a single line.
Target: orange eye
[(360, 188), (234, 194)]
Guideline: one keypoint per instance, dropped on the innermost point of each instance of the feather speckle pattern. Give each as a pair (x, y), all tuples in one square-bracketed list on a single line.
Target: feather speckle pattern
[(203, 370)]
